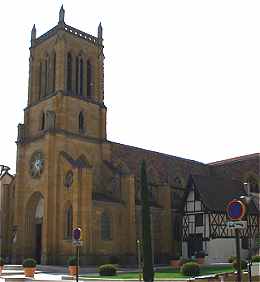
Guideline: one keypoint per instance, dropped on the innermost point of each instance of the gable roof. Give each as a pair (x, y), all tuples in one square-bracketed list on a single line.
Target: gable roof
[(168, 168), (235, 159), (217, 192)]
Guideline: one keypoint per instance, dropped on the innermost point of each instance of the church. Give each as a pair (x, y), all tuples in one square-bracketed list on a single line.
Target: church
[(68, 174)]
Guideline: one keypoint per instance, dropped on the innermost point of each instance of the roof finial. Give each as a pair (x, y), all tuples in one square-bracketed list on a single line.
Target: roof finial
[(61, 15), (100, 31), (33, 34)]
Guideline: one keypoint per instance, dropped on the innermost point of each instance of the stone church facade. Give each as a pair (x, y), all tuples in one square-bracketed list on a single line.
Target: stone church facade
[(70, 175)]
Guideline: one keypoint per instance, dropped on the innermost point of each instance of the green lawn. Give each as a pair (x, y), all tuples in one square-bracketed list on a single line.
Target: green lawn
[(166, 273)]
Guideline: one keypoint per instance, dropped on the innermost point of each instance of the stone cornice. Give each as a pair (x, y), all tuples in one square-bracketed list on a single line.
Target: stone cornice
[(71, 30), (66, 94), (62, 132)]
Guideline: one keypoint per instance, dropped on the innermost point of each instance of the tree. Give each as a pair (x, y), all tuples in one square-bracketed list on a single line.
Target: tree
[(148, 273)]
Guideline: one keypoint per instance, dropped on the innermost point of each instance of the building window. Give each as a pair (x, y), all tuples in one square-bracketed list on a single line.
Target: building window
[(69, 223), (89, 79), (105, 227), (199, 219), (42, 121), (46, 76), (81, 122), (77, 75), (69, 72), (253, 184), (81, 77), (245, 243), (53, 72), (40, 80)]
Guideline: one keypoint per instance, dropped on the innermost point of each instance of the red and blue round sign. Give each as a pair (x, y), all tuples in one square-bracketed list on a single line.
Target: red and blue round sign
[(236, 210), (76, 234)]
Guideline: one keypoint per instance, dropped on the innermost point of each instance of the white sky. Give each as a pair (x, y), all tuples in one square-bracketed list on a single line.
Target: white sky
[(181, 77)]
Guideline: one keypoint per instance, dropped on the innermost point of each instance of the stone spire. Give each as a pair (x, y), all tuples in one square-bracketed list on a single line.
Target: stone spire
[(61, 15), (100, 31), (33, 34)]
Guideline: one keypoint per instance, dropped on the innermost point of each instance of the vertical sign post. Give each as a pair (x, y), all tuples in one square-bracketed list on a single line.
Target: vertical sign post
[(236, 210), (77, 243)]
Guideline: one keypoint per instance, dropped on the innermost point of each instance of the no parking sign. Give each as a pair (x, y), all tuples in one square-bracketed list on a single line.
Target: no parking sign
[(236, 210)]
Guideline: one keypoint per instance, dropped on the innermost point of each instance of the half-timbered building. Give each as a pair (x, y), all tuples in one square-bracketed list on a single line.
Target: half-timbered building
[(204, 219)]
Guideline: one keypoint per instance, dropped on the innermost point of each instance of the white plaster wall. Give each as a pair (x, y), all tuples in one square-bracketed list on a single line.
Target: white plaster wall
[(219, 250), (184, 249)]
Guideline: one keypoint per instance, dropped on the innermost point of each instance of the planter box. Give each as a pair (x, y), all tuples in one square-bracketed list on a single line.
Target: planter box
[(29, 271)]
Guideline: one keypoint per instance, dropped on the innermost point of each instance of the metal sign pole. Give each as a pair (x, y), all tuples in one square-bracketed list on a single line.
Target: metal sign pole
[(77, 266), (238, 256)]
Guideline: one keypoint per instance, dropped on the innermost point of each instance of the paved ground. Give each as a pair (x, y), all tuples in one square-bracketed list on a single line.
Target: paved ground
[(50, 273)]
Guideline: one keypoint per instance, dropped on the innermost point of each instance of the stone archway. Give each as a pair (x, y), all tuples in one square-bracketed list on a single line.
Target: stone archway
[(34, 226)]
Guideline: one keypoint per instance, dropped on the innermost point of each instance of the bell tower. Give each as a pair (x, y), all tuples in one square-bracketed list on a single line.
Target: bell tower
[(66, 83)]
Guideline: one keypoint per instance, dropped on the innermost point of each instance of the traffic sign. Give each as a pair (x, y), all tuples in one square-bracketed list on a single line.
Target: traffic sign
[(236, 224), (236, 210), (76, 234), (77, 243)]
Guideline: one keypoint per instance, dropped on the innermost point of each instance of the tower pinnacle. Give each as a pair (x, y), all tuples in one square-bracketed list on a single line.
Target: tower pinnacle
[(33, 34), (100, 31), (61, 15)]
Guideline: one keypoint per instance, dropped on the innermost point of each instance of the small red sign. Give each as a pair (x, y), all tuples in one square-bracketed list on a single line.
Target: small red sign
[(236, 210)]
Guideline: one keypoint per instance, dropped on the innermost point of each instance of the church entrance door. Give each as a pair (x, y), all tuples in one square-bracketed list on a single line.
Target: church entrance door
[(38, 242), (34, 227)]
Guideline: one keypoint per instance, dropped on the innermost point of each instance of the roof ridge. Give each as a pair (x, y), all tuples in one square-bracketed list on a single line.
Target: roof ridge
[(234, 159), (159, 153)]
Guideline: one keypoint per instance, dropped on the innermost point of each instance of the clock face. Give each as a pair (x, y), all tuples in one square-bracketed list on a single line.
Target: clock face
[(36, 164)]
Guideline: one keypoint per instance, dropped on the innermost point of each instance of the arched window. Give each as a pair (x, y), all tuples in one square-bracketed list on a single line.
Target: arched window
[(53, 71), (89, 79), (77, 75), (254, 187), (46, 76), (40, 80), (68, 223), (81, 77), (81, 122), (105, 227), (42, 121), (69, 72)]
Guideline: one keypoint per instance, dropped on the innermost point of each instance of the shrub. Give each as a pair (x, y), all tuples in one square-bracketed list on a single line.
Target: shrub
[(183, 261), (256, 259), (190, 269), (29, 262), (243, 264), (107, 270), (231, 259), (72, 261), (2, 261)]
